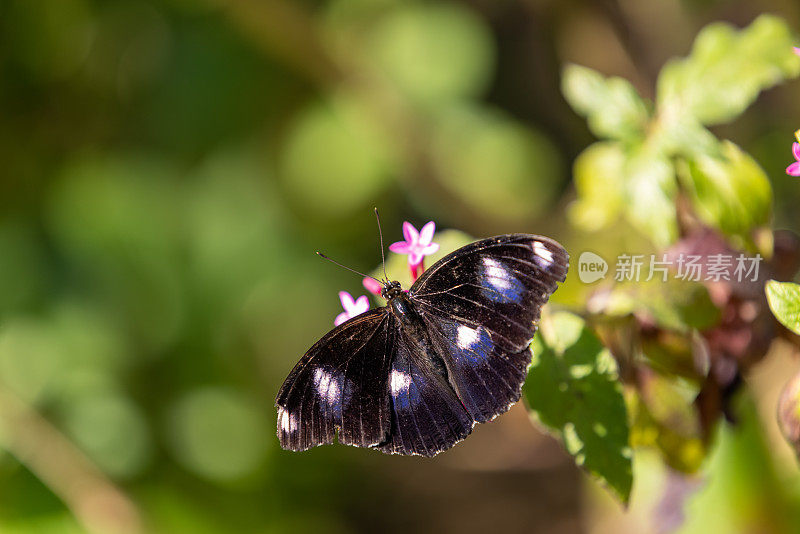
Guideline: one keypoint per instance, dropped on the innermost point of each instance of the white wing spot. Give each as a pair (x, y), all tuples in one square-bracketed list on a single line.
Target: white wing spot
[(328, 386), (467, 337), (497, 274), (288, 422), (542, 252), (399, 381)]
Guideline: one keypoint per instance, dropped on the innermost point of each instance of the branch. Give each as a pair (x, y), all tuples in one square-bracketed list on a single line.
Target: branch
[(95, 501)]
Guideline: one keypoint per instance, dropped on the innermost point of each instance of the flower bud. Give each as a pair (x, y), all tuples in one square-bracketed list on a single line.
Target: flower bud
[(789, 412)]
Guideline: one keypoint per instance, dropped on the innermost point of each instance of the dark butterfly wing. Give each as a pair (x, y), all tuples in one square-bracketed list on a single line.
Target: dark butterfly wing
[(487, 378), (427, 417), (480, 305), (341, 383), (406, 391)]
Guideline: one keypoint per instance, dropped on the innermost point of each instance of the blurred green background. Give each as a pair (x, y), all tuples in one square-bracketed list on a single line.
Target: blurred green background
[(170, 167)]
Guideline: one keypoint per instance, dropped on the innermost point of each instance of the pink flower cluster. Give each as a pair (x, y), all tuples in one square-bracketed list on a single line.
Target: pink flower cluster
[(794, 168), (417, 245)]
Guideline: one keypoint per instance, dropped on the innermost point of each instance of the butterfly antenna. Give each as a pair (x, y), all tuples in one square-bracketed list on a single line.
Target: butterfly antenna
[(383, 256), (346, 267)]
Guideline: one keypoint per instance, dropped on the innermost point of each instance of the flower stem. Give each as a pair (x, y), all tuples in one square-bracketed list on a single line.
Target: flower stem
[(417, 270)]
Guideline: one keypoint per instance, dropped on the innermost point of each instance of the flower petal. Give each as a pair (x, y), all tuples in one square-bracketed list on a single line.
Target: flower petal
[(401, 247), (414, 258), (796, 151), (430, 249), (362, 305), (342, 317), (410, 233), (793, 169), (426, 234), (796, 50), (347, 300)]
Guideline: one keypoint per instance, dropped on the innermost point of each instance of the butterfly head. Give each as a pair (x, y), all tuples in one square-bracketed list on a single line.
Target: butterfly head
[(391, 290)]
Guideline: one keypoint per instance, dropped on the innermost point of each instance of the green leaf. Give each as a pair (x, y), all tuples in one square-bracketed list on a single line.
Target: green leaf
[(598, 174), (679, 134), (731, 193), (650, 203), (572, 389), (664, 417), (727, 69), (784, 301), (611, 105), (638, 182)]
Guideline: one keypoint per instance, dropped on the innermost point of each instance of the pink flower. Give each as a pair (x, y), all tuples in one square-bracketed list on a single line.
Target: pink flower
[(417, 244), (351, 307), (796, 50), (373, 286), (794, 168)]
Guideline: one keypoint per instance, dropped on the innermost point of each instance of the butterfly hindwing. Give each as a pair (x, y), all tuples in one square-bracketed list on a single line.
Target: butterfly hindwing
[(481, 305), (427, 416), (486, 378), (341, 384)]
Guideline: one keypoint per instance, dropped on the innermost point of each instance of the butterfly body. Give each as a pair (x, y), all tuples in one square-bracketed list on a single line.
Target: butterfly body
[(403, 311), (415, 332), (415, 376)]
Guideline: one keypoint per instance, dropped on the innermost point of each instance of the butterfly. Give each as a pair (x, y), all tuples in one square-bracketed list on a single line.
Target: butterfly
[(415, 376)]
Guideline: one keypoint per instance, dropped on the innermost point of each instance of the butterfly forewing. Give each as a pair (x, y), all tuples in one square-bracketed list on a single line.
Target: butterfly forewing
[(341, 384), (481, 305), (500, 283)]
